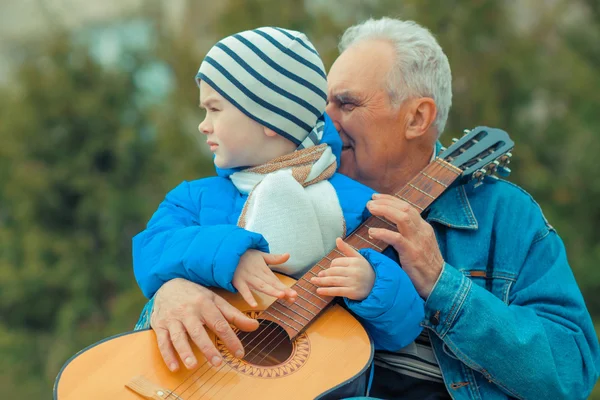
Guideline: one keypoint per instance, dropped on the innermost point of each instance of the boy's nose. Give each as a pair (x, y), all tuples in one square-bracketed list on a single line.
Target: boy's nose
[(204, 127)]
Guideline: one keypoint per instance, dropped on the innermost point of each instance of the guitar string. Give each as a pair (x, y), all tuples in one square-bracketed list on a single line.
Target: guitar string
[(406, 190)]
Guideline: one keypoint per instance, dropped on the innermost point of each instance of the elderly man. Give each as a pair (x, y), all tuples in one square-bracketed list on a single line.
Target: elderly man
[(503, 314)]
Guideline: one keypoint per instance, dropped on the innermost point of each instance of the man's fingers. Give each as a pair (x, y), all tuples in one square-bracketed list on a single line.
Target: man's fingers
[(198, 334), (346, 248), (179, 338), (401, 219), (235, 316), (389, 237), (394, 202), (216, 321), (275, 259), (246, 294), (166, 348)]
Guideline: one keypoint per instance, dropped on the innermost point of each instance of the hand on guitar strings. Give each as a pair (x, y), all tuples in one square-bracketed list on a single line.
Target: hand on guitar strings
[(351, 276), (253, 272), (185, 309), (415, 241)]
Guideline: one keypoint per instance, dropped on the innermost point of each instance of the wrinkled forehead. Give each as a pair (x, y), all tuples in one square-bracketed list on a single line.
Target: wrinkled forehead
[(364, 66)]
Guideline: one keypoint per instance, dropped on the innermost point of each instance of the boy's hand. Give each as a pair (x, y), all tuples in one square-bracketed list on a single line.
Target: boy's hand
[(253, 272), (351, 276)]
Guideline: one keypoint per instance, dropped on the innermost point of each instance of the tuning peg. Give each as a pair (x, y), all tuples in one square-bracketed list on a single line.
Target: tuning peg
[(505, 159), (504, 171), (454, 140), (442, 149), (466, 132)]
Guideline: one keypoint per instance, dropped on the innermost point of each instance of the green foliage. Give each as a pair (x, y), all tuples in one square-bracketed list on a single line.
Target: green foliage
[(87, 153)]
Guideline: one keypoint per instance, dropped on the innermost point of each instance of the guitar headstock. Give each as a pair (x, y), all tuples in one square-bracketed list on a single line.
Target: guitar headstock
[(480, 152)]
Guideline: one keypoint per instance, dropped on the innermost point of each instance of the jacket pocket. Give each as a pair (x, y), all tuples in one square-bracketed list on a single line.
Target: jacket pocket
[(497, 282)]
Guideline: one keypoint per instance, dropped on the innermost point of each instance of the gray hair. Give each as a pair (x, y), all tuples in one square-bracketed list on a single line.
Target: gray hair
[(421, 68)]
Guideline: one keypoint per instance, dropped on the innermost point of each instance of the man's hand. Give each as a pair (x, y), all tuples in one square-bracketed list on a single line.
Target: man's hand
[(415, 241), (253, 272), (351, 276), (183, 308)]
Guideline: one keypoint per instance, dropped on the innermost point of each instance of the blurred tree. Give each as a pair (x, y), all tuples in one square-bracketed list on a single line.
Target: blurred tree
[(85, 160)]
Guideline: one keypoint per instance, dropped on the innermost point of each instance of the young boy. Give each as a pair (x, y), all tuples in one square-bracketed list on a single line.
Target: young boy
[(277, 192)]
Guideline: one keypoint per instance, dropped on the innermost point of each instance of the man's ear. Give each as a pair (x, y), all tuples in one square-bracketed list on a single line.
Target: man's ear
[(269, 132), (420, 117)]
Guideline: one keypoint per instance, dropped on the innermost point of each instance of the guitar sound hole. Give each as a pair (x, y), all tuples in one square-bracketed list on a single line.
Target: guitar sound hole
[(267, 346)]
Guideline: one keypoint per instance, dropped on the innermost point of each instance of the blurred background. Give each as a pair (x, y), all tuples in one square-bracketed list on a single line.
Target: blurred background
[(99, 114)]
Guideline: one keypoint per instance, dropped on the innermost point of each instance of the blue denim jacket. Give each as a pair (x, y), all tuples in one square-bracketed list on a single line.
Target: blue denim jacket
[(506, 317)]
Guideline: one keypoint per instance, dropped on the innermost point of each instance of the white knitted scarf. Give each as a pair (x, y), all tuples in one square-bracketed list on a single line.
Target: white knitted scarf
[(293, 205)]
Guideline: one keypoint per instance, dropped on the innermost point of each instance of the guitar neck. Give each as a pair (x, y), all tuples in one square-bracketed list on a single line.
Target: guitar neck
[(420, 193)]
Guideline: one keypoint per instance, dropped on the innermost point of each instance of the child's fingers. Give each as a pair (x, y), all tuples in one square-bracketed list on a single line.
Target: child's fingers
[(331, 281), (275, 259), (335, 271), (260, 285), (247, 294), (336, 291), (346, 248), (270, 278)]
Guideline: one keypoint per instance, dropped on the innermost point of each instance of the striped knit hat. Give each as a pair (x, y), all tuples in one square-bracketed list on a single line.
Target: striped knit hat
[(274, 76)]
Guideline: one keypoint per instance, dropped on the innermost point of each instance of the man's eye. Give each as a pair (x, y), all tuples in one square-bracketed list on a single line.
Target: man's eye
[(348, 106), (213, 109)]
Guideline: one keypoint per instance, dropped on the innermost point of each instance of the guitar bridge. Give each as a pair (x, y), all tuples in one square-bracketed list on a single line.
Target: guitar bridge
[(149, 390)]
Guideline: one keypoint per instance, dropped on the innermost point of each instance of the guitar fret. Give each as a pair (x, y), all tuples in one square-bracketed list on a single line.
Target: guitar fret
[(412, 204), (282, 321), (313, 294), (339, 252), (305, 309), (422, 191), (385, 221), (371, 243), (294, 311), (433, 179), (308, 301), (449, 167)]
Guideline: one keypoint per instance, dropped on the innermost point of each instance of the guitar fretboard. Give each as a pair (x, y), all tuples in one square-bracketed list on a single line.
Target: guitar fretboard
[(420, 192)]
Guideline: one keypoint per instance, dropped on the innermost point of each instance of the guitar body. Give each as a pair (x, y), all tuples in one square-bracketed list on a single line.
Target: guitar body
[(333, 352)]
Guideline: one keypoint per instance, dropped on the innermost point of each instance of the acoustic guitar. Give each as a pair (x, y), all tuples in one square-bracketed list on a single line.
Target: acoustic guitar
[(309, 349)]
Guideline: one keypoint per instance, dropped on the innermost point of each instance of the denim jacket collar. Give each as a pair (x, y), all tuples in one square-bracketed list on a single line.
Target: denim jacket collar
[(453, 210)]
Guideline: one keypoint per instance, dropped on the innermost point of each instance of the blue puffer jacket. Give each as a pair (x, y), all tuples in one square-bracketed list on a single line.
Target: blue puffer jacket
[(193, 235)]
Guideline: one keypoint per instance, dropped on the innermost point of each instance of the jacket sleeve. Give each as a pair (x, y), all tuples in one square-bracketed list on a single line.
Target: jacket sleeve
[(541, 345), (393, 311), (175, 245)]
